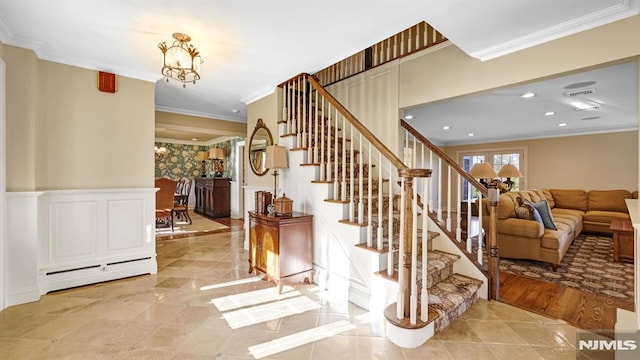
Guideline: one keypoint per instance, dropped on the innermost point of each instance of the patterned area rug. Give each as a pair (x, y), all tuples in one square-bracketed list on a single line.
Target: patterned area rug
[(588, 265)]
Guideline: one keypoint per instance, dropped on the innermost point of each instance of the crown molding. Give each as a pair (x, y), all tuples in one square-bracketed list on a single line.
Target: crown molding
[(265, 91), (624, 9), (207, 115)]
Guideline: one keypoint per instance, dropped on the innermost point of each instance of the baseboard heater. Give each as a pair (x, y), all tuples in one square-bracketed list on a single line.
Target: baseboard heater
[(96, 266)]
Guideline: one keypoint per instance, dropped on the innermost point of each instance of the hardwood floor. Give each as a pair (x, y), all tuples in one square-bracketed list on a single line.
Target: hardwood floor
[(579, 308)]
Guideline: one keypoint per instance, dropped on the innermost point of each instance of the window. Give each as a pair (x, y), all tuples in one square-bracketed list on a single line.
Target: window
[(497, 159)]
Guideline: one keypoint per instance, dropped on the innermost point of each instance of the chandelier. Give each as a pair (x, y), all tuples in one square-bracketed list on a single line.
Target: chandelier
[(181, 60)]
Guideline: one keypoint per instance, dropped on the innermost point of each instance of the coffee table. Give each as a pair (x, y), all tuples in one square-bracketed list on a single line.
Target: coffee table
[(622, 239)]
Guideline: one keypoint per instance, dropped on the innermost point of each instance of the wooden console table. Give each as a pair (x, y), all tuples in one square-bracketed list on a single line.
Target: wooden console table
[(281, 247), (622, 239), (213, 197)]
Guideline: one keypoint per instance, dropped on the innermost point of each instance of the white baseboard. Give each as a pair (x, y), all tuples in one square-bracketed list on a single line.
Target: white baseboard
[(99, 273), (22, 296)]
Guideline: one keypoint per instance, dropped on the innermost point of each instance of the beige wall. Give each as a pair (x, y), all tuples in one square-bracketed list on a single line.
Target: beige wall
[(22, 70), (266, 109), (450, 72), (603, 161), (62, 133)]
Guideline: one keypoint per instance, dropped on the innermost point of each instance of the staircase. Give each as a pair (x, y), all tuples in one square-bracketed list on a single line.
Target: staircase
[(380, 235)]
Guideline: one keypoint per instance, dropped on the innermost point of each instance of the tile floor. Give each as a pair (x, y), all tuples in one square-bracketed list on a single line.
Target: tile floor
[(173, 315)]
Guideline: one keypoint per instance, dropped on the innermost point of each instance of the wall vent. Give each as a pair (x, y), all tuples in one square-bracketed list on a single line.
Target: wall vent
[(583, 92)]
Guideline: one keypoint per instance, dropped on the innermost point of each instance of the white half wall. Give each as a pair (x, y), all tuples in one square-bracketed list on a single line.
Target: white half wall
[(64, 238), (89, 236), (22, 248)]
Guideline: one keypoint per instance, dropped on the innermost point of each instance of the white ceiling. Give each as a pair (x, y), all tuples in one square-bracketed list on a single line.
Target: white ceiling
[(250, 46), (503, 114)]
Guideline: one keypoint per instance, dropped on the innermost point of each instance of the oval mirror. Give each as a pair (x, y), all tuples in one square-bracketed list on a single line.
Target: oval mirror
[(260, 139)]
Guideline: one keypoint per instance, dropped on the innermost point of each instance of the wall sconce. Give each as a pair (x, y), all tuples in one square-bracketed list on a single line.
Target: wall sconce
[(218, 157), (203, 156), (482, 171)]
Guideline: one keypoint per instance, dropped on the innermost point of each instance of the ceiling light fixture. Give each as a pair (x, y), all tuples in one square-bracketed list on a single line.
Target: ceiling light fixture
[(446, 127), (471, 134), (527, 95), (181, 60), (408, 117), (549, 113), (562, 124)]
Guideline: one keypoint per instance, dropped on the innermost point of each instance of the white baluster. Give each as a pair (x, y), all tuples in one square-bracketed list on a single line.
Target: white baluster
[(414, 256), (390, 211), (424, 296), (469, 248), (352, 185), (325, 122), (336, 179), (448, 198), (380, 219), (480, 237), (401, 281), (343, 193), (370, 201), (439, 193), (459, 210), (360, 183)]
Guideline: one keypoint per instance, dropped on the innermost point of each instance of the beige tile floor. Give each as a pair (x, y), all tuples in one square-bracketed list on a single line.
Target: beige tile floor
[(171, 316)]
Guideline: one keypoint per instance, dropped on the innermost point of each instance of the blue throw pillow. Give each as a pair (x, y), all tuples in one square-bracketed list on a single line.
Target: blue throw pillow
[(544, 211)]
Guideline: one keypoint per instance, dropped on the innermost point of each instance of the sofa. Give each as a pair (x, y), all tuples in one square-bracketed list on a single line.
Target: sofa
[(525, 234)]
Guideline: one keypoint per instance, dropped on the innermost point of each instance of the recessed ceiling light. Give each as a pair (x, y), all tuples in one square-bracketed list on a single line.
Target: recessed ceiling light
[(446, 127), (562, 124), (194, 139), (527, 95), (408, 117), (235, 111), (471, 134), (549, 113)]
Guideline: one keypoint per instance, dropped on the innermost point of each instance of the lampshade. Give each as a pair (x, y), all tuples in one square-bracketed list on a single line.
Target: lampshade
[(509, 171), (216, 153), (482, 171), (276, 157), (202, 156)]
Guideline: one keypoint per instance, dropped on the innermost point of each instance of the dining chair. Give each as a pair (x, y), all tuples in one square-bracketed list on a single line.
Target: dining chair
[(181, 203), (165, 199)]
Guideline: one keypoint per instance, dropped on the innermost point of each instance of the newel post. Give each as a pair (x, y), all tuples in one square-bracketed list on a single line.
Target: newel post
[(494, 257), (407, 240)]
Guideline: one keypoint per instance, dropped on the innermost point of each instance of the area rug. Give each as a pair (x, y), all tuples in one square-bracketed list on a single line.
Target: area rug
[(200, 226), (588, 265)]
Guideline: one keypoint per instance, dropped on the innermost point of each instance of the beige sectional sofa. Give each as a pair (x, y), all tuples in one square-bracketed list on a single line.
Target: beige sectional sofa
[(572, 211)]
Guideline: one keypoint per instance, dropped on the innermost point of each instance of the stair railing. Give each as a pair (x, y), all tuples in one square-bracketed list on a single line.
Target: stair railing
[(443, 189), (337, 142)]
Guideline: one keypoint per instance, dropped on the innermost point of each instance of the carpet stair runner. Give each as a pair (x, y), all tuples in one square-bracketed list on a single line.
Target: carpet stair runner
[(450, 294)]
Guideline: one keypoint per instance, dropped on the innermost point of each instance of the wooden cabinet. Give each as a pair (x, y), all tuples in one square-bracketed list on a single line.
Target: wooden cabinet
[(281, 247), (622, 239), (213, 197)]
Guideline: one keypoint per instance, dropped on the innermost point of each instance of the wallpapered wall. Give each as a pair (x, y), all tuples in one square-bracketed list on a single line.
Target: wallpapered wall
[(180, 160)]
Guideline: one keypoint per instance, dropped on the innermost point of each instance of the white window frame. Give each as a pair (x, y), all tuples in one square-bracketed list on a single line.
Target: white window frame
[(490, 152)]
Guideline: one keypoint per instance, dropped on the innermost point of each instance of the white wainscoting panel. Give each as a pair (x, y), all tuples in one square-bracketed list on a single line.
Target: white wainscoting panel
[(22, 248), (88, 236)]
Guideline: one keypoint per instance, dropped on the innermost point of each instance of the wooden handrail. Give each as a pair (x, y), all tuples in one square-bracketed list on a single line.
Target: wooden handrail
[(445, 157), (385, 151), (293, 78)]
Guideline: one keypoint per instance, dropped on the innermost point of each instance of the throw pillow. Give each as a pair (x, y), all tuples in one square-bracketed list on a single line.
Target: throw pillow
[(544, 210), (526, 211)]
